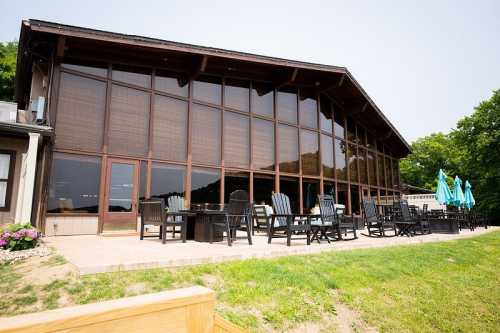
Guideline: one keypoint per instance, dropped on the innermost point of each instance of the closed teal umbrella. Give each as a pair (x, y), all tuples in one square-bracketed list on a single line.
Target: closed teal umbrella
[(443, 193), (458, 195), (469, 198)]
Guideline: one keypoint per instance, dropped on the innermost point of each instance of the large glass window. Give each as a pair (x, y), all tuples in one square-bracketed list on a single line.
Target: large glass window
[(308, 109), (327, 156), (206, 135), (263, 187), (93, 68), (309, 152), (310, 191), (339, 125), (325, 115), (351, 130), (352, 161), (363, 176), (138, 76), (205, 186), (355, 207), (290, 187), (289, 149), (236, 140), (80, 113), (170, 128), (167, 180), (329, 189), (361, 136), (372, 168), (208, 89), (263, 144), (237, 94), (74, 184), (172, 83), (143, 180), (287, 105), (129, 121), (7, 163), (121, 188), (340, 164), (234, 181), (262, 99)]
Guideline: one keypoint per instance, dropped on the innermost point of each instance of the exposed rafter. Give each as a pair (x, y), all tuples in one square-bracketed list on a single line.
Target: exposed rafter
[(199, 69), (289, 80)]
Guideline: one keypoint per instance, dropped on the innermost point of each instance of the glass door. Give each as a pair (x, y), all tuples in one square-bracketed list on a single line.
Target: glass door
[(120, 209)]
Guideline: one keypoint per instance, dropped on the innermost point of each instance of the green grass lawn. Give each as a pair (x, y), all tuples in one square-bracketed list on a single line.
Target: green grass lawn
[(440, 287)]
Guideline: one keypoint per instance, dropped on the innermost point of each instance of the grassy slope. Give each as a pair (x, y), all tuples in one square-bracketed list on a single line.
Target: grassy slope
[(450, 286)]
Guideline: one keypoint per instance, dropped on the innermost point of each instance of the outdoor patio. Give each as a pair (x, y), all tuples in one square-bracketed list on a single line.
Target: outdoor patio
[(97, 254)]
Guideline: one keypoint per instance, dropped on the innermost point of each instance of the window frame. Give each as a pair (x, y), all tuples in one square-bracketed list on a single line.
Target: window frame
[(9, 180)]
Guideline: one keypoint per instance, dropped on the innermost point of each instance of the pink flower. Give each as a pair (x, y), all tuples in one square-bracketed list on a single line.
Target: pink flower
[(3, 242), (32, 233)]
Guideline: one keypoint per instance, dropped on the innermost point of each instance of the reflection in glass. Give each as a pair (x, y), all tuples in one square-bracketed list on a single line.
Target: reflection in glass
[(206, 135), (138, 76), (74, 184), (340, 165), (342, 194), (93, 68), (339, 125), (289, 149), (263, 144), (310, 191), (308, 109), (355, 206), (325, 114), (236, 140), (262, 99), (234, 181), (121, 187), (236, 94), (143, 180), (329, 189), (205, 186), (167, 180), (372, 168), (351, 130), (352, 161), (290, 187), (287, 105), (263, 187), (373, 194), (172, 83), (309, 152), (208, 89), (363, 177), (327, 156)]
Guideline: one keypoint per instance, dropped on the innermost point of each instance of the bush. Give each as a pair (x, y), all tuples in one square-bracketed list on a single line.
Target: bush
[(18, 236)]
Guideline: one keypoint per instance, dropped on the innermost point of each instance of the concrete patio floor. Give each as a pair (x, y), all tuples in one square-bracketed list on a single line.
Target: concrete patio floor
[(97, 254)]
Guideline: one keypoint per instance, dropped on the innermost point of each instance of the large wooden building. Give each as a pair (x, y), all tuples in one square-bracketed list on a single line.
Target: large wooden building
[(138, 117)]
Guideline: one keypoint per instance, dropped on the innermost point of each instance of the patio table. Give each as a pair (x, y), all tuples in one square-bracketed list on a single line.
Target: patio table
[(203, 218)]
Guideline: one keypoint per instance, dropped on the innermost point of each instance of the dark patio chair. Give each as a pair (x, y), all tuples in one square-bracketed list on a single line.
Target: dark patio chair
[(153, 213), (284, 223), (237, 217), (339, 225), (261, 219), (376, 224), (404, 221)]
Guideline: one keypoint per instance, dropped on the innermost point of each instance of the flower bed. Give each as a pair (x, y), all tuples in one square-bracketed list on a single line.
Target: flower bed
[(15, 237)]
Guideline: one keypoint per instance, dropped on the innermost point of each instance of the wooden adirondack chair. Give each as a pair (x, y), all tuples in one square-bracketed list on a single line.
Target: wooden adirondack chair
[(153, 213), (261, 218), (175, 205), (283, 220), (339, 225), (374, 222)]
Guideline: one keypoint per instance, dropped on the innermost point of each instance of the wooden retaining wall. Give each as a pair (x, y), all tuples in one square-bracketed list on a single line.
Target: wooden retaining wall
[(189, 310)]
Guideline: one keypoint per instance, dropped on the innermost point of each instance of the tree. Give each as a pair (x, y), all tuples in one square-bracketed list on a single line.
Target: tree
[(429, 154), (478, 137), (8, 58)]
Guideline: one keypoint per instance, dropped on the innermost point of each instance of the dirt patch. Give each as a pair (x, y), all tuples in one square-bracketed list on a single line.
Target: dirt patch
[(35, 271), (209, 280), (349, 321), (136, 289)]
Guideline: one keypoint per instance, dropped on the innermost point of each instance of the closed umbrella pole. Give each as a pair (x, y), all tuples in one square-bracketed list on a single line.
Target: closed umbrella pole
[(458, 195), (443, 194), (469, 198)]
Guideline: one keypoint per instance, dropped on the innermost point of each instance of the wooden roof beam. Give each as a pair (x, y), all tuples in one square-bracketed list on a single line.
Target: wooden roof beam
[(335, 85), (200, 68), (288, 81)]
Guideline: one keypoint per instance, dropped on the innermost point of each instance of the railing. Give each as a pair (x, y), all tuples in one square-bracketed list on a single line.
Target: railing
[(181, 310)]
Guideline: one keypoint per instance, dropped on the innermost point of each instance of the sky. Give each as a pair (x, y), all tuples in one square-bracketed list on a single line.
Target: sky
[(426, 64)]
